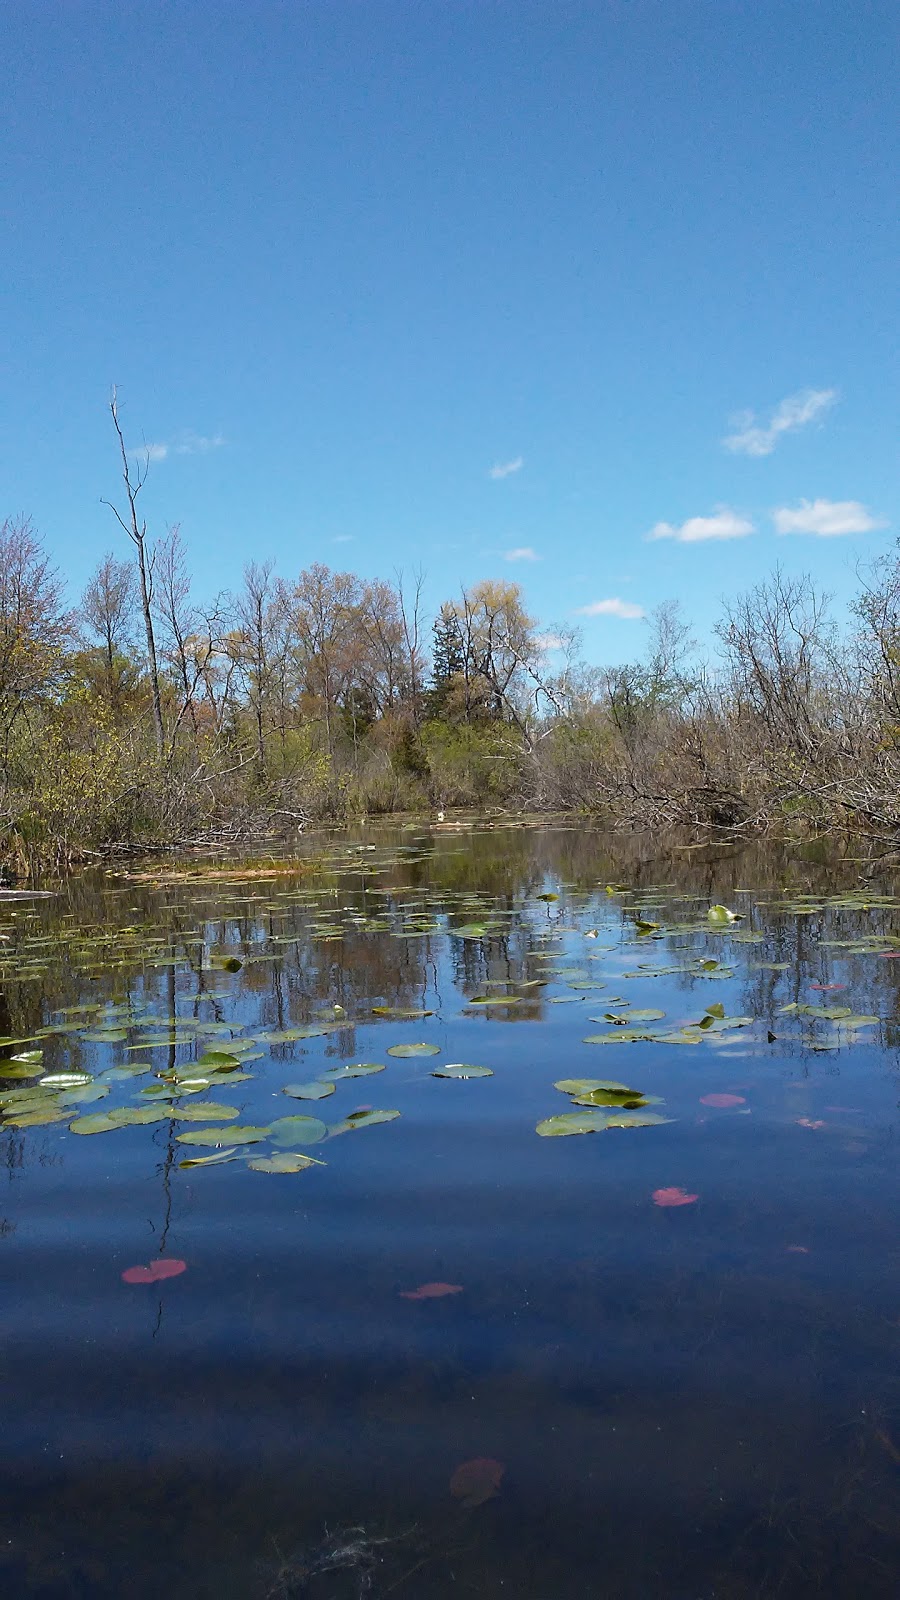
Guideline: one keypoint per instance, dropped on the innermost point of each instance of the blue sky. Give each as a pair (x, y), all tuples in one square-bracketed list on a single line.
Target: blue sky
[(347, 258)]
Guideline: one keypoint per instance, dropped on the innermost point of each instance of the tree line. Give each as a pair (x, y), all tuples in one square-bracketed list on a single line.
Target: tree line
[(145, 714)]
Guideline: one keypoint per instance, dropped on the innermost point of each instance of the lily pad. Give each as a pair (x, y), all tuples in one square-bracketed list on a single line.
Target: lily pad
[(289, 1131), (210, 1161), (570, 1122), (462, 1069), (283, 1161), (355, 1069), (407, 1050), (400, 1013), (308, 1091), (231, 1135)]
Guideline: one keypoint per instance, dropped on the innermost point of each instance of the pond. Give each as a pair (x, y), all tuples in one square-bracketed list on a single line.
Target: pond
[(499, 1212)]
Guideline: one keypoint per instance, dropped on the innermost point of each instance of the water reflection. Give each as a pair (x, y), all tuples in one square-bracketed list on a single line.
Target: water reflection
[(695, 1402)]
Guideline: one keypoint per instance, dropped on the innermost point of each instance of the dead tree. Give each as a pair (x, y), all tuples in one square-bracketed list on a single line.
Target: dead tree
[(137, 533)]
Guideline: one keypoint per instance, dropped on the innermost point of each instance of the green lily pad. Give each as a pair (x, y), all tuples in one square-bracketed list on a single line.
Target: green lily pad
[(289, 1131), (496, 1000), (406, 1050), (283, 1161), (587, 1085), (29, 1058), (206, 1111), (219, 1060), (368, 1119), (355, 1069), (84, 1096), (210, 1161), (570, 1122), (308, 1091), (66, 1080), (462, 1069), (720, 916), (400, 1013), (231, 1135), (636, 1119)]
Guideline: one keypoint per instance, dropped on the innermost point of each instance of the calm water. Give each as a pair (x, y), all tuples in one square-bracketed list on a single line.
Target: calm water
[(686, 1401)]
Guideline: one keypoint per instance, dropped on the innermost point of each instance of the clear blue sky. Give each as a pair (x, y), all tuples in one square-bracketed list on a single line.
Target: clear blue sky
[(344, 257)]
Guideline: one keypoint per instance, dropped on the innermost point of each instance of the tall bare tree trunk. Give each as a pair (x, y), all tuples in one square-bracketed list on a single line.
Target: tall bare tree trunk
[(137, 533)]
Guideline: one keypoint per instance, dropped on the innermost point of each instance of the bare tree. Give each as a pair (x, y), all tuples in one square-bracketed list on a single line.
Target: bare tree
[(107, 607), (137, 532)]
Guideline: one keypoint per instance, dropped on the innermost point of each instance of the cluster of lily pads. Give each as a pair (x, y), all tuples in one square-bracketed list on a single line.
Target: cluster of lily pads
[(606, 1105)]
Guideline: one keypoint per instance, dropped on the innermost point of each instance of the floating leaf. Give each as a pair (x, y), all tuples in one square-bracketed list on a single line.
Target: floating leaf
[(475, 1482), (673, 1197), (721, 916), (219, 1060), (210, 1161), (226, 964), (462, 1069), (308, 1091), (636, 1119), (569, 1122), (217, 1136), (399, 1013), (283, 1161), (156, 1272), (587, 1085), (31, 1058), (66, 1080), (364, 1119), (723, 1101), (548, 898), (358, 1069), (431, 1291), (205, 1111), (289, 1131), (495, 1000), (406, 1050)]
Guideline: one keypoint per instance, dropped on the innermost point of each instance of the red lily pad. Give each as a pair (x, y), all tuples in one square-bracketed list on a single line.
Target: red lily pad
[(673, 1197), (723, 1101), (825, 988), (155, 1273), (477, 1481), (431, 1291)]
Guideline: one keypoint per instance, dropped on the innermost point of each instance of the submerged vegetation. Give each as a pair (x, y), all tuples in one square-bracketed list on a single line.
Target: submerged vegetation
[(146, 716)]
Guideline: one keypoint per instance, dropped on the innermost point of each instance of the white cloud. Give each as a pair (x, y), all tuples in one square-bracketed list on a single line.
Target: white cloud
[(723, 524), (343, 538), (505, 469), (197, 444), (187, 444), (549, 641), (150, 452), (750, 439), (522, 552), (626, 609), (827, 519)]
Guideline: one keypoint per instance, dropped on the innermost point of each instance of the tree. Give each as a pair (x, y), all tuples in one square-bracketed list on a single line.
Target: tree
[(137, 533), (34, 629), (107, 608)]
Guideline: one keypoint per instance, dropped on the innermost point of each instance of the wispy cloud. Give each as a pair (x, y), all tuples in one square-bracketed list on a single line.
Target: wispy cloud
[(186, 444), (723, 524), (505, 469), (797, 411), (626, 609), (827, 519), (549, 641), (343, 538), (522, 552), (198, 444)]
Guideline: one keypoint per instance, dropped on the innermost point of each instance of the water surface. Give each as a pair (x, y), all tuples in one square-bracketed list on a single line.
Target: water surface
[(685, 1401)]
